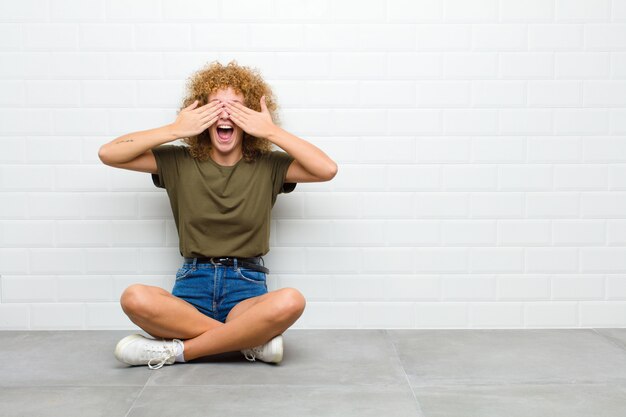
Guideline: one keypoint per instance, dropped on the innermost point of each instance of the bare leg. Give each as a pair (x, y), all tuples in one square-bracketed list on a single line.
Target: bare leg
[(257, 321), (252, 322), (163, 315)]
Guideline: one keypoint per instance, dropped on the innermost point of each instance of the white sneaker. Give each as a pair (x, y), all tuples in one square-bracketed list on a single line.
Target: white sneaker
[(271, 351), (137, 349)]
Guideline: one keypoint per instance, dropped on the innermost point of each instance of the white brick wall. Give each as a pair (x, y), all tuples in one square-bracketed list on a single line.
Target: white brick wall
[(481, 144)]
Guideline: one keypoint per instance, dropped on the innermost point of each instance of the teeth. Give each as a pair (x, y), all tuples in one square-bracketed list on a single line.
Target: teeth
[(225, 127)]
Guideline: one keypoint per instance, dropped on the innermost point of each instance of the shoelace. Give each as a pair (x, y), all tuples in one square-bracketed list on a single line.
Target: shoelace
[(253, 352), (165, 351)]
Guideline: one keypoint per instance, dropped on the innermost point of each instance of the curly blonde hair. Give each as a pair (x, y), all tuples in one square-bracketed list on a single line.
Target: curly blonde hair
[(245, 80)]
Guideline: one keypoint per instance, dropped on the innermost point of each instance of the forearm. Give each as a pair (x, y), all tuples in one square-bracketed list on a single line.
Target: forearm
[(127, 147), (312, 158)]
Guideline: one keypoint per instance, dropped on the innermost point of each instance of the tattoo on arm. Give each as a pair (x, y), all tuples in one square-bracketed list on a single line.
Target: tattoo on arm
[(127, 140)]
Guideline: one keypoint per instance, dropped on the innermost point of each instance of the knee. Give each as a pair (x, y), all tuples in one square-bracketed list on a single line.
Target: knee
[(135, 300), (291, 304)]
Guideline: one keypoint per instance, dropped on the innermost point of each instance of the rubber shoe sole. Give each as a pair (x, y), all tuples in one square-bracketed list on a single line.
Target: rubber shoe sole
[(277, 347), (273, 349), (122, 344)]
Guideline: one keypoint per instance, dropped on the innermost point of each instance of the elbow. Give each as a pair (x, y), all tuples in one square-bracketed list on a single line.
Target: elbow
[(102, 154), (331, 171)]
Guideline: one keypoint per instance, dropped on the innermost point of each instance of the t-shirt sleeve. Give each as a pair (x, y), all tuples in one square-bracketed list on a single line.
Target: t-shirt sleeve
[(280, 162), (167, 159)]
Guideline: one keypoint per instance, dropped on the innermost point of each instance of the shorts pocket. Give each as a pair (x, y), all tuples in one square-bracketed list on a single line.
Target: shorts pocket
[(183, 272), (251, 275)]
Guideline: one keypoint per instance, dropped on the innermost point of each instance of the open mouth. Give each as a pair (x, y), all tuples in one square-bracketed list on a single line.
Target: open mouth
[(225, 132)]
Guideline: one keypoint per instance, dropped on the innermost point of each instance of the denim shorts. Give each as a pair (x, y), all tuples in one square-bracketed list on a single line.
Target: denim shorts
[(215, 289)]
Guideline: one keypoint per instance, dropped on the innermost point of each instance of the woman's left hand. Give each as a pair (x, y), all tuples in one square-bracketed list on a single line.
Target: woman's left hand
[(258, 124)]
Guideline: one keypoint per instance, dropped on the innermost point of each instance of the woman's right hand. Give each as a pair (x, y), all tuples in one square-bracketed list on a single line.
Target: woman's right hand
[(192, 121)]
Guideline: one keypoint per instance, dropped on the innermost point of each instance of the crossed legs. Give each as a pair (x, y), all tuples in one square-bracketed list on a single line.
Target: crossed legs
[(251, 322)]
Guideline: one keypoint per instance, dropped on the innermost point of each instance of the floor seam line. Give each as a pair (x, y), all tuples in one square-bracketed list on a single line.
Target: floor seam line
[(419, 407), (618, 344), (138, 395)]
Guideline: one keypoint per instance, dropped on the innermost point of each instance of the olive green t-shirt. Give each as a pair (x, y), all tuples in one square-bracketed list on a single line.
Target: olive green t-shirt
[(221, 210)]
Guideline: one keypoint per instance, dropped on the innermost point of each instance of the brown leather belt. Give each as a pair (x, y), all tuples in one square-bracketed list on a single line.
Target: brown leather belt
[(249, 263)]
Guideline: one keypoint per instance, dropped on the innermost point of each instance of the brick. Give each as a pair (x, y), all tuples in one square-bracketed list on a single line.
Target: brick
[(582, 10), (474, 65), (498, 93), (580, 232), (496, 315), (555, 37), (358, 233), (498, 149), (387, 260), (14, 317), (386, 94), (602, 314), (581, 65), (106, 37), (272, 36), (500, 37), (530, 65), (59, 316), (524, 232), (526, 11), (602, 260), (28, 233), (470, 121), (452, 315), (368, 10), (473, 11), (555, 93), (396, 315), (443, 37), (307, 10), (357, 288), (603, 204), (193, 9), (333, 260), (551, 260), (412, 288), (26, 289), (468, 232), (51, 36), (576, 177), (412, 65), (552, 205), (468, 287), (500, 205), (303, 232), (523, 287), (411, 11), (578, 287), (52, 93), (525, 177), (551, 315), (387, 205), (413, 233), (443, 94), (441, 260), (495, 260), (525, 121), (554, 149), (470, 177)]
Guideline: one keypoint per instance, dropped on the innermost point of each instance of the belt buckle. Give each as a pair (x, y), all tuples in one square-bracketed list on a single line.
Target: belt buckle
[(219, 260)]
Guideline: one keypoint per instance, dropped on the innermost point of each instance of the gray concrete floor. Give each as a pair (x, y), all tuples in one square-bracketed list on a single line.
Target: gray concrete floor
[(343, 373)]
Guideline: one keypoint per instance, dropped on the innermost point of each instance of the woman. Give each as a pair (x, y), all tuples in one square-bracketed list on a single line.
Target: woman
[(221, 188)]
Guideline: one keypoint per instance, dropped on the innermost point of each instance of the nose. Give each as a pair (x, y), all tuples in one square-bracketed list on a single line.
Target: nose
[(224, 113)]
